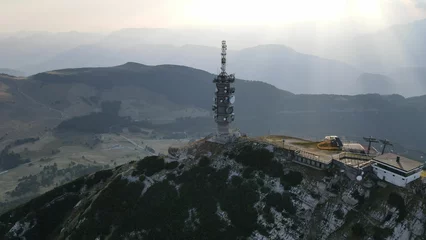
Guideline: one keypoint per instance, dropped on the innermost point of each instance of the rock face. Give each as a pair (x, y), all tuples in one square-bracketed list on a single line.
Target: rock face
[(244, 190)]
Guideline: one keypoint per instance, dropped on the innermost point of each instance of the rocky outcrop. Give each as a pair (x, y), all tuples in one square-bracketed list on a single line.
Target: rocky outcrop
[(242, 190)]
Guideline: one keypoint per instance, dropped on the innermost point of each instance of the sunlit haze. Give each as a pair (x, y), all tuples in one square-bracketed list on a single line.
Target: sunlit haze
[(108, 15), (376, 36)]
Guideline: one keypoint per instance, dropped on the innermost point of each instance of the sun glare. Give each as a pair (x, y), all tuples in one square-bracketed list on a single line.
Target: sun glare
[(278, 12)]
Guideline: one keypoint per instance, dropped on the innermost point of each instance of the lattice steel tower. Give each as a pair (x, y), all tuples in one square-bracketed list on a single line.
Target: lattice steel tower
[(223, 102)]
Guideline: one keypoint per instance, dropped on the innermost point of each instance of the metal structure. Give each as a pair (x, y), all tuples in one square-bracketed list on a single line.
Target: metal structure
[(385, 143), (223, 107), (370, 140)]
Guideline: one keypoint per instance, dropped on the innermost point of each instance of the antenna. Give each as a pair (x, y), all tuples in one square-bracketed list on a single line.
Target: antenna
[(385, 143), (370, 140), (224, 48)]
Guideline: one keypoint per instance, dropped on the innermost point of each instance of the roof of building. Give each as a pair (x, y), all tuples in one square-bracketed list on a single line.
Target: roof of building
[(404, 163), (353, 146)]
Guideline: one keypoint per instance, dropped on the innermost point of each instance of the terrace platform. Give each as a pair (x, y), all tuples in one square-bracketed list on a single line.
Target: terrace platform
[(307, 153)]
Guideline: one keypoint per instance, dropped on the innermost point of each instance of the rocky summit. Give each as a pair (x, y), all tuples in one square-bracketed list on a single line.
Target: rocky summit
[(243, 190)]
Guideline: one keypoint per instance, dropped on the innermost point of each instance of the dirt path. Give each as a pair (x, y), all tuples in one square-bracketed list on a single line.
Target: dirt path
[(63, 115), (135, 144)]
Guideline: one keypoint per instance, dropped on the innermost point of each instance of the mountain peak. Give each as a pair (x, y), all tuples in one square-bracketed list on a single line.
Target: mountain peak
[(271, 47), (247, 189), (131, 66)]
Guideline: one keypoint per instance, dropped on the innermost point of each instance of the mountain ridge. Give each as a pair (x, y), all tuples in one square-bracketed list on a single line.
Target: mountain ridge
[(380, 52), (271, 63), (140, 89)]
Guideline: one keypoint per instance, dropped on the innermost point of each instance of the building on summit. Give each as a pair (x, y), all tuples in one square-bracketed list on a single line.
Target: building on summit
[(396, 169)]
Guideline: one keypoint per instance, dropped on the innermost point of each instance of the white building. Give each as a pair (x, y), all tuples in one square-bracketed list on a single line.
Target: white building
[(396, 169)]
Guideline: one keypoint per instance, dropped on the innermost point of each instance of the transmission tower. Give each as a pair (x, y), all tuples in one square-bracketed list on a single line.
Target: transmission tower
[(224, 96), (370, 140), (385, 143)]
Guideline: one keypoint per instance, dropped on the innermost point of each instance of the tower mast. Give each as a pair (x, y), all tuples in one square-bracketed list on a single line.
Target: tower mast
[(223, 107), (224, 48), (370, 140), (385, 143)]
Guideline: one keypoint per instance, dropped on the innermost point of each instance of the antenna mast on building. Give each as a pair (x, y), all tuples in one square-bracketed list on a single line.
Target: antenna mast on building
[(370, 140), (385, 143), (223, 102)]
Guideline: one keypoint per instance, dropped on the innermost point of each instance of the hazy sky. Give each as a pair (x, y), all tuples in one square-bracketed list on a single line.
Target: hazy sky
[(108, 15)]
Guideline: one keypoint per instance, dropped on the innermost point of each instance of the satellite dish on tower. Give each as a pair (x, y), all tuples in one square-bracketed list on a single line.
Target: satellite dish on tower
[(230, 110), (359, 178), (232, 99)]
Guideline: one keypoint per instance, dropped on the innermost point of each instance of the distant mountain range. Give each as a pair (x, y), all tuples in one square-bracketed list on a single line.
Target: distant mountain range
[(412, 79), (274, 64), (376, 83), (26, 48), (398, 52), (399, 46), (12, 72), (395, 53), (167, 92)]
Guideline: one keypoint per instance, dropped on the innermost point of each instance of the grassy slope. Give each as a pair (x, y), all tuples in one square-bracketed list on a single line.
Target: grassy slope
[(260, 107)]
